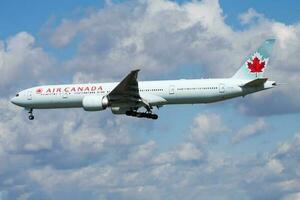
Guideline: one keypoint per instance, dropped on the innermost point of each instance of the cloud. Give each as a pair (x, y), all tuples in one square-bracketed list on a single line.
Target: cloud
[(293, 196), (96, 157), (189, 152), (64, 34), (21, 59), (185, 152), (72, 141), (250, 130), (275, 166), (142, 154), (205, 126), (125, 36), (250, 16)]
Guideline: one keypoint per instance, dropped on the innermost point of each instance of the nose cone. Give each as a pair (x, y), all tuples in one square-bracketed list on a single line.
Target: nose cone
[(17, 101), (14, 100)]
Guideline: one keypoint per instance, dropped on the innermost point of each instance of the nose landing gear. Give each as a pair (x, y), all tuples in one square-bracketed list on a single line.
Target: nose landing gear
[(31, 116)]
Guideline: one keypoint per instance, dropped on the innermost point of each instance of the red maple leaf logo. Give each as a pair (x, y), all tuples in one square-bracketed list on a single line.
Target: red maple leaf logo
[(39, 90), (256, 65)]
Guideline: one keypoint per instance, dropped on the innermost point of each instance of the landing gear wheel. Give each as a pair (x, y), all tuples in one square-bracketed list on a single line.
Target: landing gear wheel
[(154, 116), (31, 117), (129, 113), (141, 114)]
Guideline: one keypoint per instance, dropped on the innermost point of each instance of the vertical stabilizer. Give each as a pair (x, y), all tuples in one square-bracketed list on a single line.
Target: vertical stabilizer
[(257, 62)]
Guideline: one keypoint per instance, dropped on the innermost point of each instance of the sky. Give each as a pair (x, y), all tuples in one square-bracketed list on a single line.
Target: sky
[(245, 148)]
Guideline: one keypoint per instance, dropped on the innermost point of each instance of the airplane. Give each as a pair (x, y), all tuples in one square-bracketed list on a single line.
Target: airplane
[(130, 96)]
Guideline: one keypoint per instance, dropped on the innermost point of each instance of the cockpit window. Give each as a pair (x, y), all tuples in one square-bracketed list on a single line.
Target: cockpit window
[(17, 95)]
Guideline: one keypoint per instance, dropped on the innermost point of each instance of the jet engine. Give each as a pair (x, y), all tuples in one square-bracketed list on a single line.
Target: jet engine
[(94, 103)]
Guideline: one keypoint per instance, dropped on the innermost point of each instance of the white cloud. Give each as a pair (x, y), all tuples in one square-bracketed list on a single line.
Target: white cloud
[(289, 185), (189, 152), (86, 137), (142, 154), (22, 60), (206, 125), (250, 16), (124, 36), (275, 166), (185, 152), (288, 149), (285, 33), (250, 130), (64, 34), (293, 196)]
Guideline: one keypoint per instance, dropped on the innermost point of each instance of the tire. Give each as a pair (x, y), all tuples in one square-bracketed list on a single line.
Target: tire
[(154, 116)]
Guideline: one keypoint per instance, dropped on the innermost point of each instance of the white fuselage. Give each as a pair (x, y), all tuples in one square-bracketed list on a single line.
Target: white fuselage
[(129, 95), (159, 93)]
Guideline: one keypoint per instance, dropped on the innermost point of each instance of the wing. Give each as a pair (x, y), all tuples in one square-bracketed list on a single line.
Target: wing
[(128, 87), (127, 91)]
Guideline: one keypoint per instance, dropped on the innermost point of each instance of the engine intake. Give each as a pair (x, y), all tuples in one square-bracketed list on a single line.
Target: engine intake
[(94, 103)]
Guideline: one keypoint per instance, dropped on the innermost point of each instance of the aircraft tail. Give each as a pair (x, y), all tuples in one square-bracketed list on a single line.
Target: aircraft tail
[(256, 63)]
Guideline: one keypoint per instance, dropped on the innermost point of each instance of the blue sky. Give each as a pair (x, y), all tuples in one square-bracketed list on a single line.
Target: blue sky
[(32, 15), (283, 11), (245, 148)]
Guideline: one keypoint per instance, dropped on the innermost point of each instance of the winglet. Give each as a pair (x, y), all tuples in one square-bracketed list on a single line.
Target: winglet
[(135, 72)]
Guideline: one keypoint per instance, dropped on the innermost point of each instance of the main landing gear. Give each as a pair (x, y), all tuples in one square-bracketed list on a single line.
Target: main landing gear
[(148, 115), (31, 116)]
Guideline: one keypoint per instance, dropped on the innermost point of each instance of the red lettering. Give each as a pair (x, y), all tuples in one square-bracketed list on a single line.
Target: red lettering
[(80, 89), (93, 88), (58, 90), (87, 89), (100, 87), (73, 89), (66, 89), (48, 90)]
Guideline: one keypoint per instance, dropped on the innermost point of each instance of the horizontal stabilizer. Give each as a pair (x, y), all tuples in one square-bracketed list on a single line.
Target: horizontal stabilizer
[(255, 83)]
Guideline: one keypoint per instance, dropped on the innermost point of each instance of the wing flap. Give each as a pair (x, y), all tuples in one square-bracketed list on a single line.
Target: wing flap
[(153, 100)]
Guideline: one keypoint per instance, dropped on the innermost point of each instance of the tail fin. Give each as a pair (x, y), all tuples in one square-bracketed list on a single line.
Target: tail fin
[(256, 63)]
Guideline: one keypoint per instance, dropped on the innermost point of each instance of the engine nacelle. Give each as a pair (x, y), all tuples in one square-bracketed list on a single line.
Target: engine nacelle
[(119, 110), (94, 103)]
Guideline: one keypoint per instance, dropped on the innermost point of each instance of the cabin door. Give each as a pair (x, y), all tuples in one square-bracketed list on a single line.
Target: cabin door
[(172, 89), (221, 88), (29, 95)]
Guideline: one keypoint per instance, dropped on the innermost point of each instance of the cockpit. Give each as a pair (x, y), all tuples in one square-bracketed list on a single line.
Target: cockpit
[(17, 95)]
